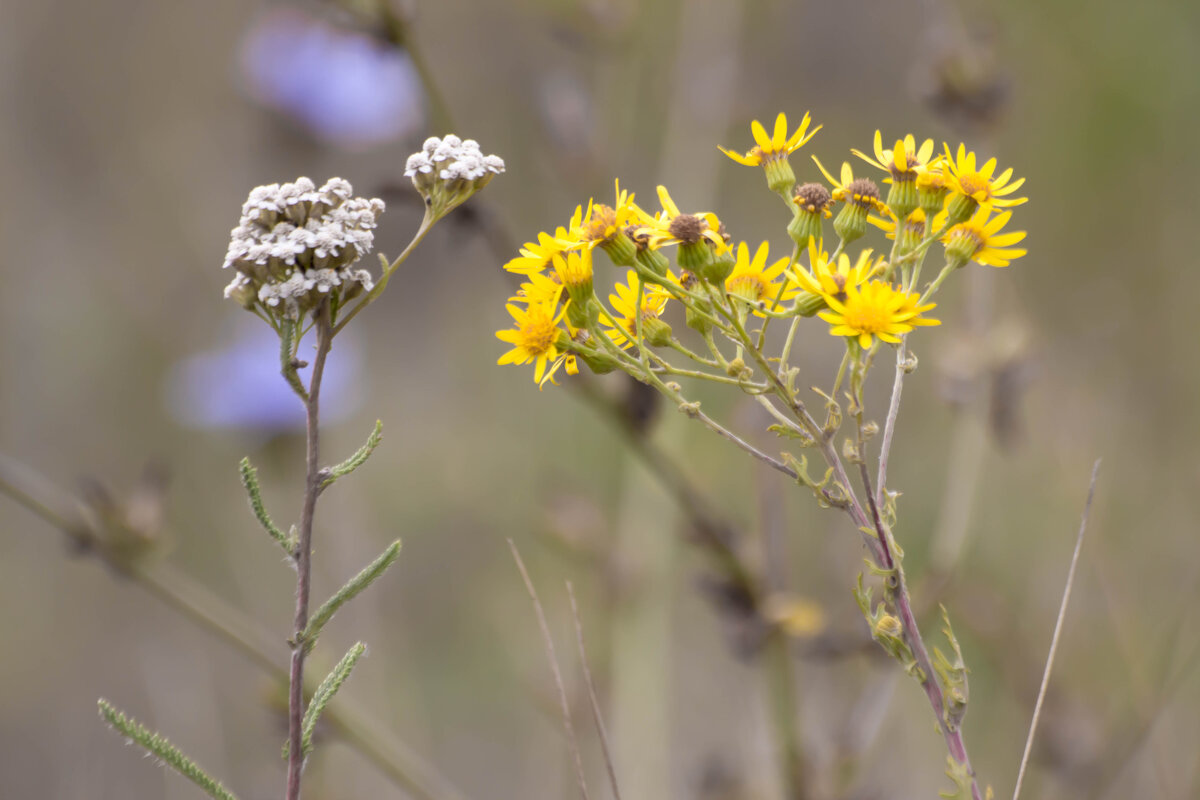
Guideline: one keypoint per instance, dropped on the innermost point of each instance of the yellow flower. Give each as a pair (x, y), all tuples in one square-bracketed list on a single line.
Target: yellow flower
[(902, 160), (673, 227), (540, 289), (980, 239), (979, 185), (602, 222), (536, 256), (778, 146), (753, 280), (534, 338), (833, 279), (624, 303), (575, 273), (861, 192), (876, 310), (912, 232)]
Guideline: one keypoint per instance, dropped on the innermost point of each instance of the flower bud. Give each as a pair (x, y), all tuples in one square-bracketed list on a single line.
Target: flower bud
[(812, 201), (862, 196), (655, 332)]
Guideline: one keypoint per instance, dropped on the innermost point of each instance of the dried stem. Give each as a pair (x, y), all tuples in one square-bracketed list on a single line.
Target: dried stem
[(597, 717), (889, 426), (572, 741), (312, 488), (1062, 613)]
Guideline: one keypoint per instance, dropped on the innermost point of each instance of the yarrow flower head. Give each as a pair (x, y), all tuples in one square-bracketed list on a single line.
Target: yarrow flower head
[(297, 244), (771, 152), (447, 171)]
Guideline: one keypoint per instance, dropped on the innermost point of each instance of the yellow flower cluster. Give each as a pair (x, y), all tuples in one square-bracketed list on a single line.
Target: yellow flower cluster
[(560, 319)]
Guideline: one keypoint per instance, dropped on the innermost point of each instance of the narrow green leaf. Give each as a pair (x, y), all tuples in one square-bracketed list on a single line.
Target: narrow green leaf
[(348, 592), (163, 750), (250, 482), (358, 459), (325, 692)]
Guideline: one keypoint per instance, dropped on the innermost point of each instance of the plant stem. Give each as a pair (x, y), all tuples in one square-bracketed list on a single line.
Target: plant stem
[(312, 488), (177, 591), (912, 635)]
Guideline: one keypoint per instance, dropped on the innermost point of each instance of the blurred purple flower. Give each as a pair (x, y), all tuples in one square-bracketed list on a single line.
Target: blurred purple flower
[(240, 386), (346, 88)]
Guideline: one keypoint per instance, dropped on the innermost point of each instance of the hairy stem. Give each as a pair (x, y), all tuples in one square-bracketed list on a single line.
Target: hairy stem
[(312, 488), (912, 635)]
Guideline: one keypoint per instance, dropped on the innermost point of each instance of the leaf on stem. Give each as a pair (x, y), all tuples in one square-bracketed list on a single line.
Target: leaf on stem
[(357, 460), (163, 750), (348, 592), (325, 692), (250, 483)]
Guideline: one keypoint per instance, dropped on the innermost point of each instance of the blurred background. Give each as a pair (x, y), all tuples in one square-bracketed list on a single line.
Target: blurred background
[(130, 134)]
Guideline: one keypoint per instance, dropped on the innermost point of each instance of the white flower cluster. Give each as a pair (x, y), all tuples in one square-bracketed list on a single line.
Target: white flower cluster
[(296, 243), (453, 159)]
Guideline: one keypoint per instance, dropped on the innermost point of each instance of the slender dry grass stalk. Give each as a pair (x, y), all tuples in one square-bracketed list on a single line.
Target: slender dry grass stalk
[(572, 740), (1062, 613), (597, 717)]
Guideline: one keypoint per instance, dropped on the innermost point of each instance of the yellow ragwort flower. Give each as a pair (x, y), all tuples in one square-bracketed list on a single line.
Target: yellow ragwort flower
[(771, 153), (875, 310), (536, 256), (968, 183), (674, 227), (754, 281), (625, 301), (574, 271), (903, 160), (541, 288), (534, 337), (980, 240), (833, 279), (602, 222), (861, 192), (777, 146)]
